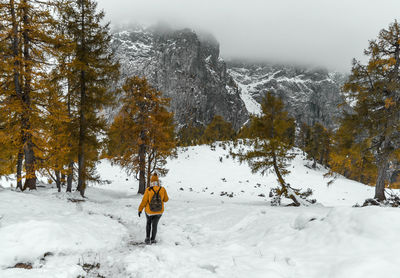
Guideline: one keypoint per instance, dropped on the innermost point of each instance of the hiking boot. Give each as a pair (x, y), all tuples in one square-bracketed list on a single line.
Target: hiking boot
[(147, 240), (153, 241)]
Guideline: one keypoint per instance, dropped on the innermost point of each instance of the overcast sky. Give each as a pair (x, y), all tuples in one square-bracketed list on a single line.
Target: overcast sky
[(319, 32)]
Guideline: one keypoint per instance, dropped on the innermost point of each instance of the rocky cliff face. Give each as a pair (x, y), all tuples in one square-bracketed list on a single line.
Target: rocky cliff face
[(187, 68), (310, 95)]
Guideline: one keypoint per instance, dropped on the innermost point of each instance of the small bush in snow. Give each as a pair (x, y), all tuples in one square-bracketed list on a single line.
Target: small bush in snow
[(23, 265), (91, 268)]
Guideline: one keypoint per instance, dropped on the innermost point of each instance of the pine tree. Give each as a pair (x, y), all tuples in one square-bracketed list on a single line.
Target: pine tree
[(218, 130), (375, 88), (270, 145), (90, 74), (142, 134)]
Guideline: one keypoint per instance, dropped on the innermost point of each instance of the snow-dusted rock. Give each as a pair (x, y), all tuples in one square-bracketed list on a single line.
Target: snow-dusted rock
[(310, 95), (187, 68)]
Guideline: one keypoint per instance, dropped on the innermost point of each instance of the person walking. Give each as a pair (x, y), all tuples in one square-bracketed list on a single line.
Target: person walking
[(153, 202)]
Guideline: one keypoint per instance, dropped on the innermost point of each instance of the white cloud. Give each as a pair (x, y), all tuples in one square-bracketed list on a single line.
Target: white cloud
[(321, 32)]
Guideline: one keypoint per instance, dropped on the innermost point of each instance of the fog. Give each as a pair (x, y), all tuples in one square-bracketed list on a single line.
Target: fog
[(325, 33)]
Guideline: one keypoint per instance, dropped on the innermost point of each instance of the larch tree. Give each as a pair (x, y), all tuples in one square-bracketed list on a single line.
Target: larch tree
[(91, 72), (270, 147), (162, 140), (8, 119), (375, 87), (351, 155), (29, 29), (142, 134), (56, 136)]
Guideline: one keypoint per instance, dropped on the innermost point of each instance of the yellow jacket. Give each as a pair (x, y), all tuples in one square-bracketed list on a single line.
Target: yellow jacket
[(148, 194)]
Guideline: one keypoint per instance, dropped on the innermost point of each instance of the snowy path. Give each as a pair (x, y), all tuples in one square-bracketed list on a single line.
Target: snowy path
[(203, 233), (199, 237), (227, 238)]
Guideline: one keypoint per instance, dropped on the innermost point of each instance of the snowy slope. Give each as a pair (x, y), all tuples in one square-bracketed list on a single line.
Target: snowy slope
[(200, 168), (202, 234)]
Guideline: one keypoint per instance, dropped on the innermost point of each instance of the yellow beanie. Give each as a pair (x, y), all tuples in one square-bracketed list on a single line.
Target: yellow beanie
[(154, 178)]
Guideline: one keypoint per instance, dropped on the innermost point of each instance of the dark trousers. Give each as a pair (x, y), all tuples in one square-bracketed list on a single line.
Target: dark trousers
[(151, 225)]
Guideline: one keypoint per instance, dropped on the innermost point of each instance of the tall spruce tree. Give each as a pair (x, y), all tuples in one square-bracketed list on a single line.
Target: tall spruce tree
[(142, 134), (375, 87), (90, 74)]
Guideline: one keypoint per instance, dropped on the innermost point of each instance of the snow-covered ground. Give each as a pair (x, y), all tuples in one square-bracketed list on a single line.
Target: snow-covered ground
[(218, 223)]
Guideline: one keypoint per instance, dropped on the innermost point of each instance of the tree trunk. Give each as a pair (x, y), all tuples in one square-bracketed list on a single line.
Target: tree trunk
[(15, 48), (30, 180), (383, 163), (63, 179), (380, 181), (17, 85), (82, 133), (82, 121), (70, 176), (20, 158), (58, 180), (142, 163), (148, 170), (282, 182)]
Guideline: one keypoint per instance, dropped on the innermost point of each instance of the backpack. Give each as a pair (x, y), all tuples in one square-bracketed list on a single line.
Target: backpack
[(156, 202)]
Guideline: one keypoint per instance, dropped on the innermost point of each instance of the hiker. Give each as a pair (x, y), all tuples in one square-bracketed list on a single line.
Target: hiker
[(153, 201)]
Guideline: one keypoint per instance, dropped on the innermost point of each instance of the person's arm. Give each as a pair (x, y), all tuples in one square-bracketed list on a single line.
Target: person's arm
[(145, 199), (165, 196)]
